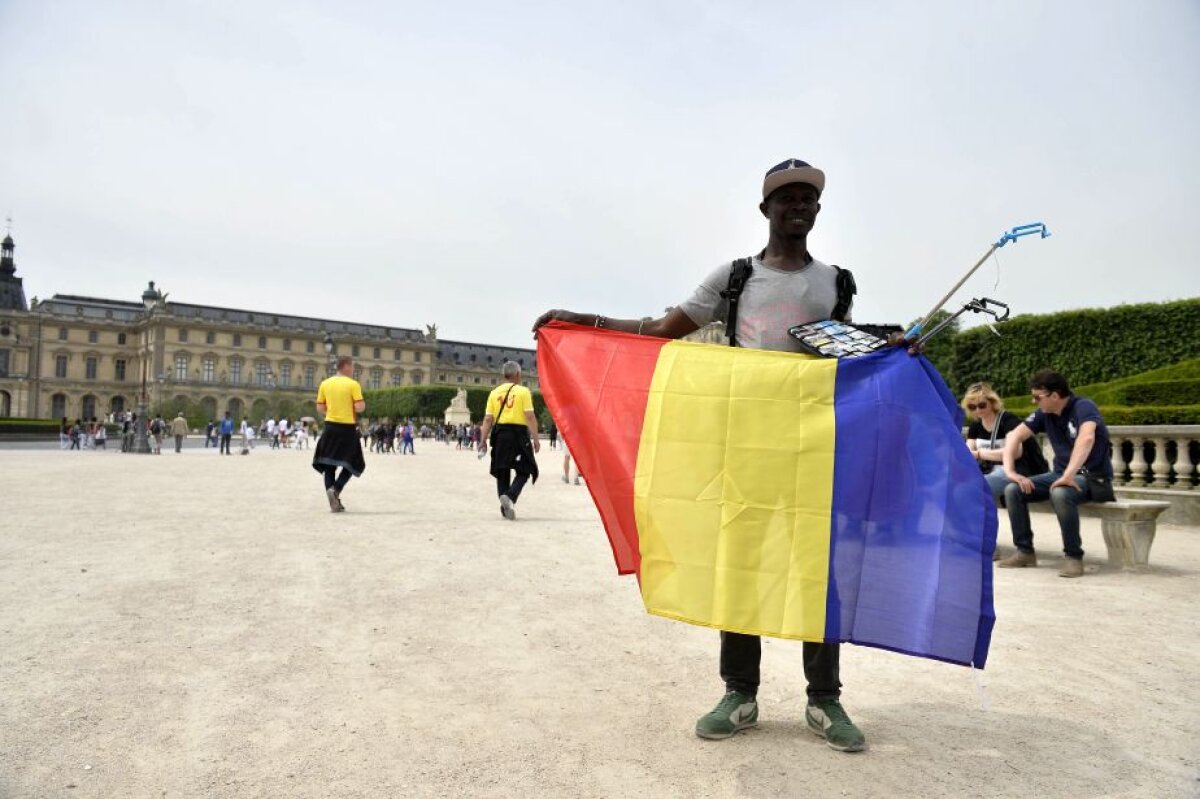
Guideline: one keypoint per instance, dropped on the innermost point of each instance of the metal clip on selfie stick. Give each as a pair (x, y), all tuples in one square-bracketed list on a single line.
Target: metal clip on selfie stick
[(982, 305), (1012, 235)]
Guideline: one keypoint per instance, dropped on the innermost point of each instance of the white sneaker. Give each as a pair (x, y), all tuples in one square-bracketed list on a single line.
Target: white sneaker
[(506, 507)]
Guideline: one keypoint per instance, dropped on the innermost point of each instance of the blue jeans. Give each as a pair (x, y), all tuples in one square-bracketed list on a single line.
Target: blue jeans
[(997, 480), (1066, 502)]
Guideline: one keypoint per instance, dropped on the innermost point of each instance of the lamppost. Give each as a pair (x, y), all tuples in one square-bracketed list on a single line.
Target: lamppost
[(329, 350), (141, 441)]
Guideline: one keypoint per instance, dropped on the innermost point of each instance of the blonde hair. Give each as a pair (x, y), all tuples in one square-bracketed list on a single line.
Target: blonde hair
[(982, 391)]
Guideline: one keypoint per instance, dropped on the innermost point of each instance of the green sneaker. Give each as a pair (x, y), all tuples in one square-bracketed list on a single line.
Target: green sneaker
[(736, 711), (828, 720)]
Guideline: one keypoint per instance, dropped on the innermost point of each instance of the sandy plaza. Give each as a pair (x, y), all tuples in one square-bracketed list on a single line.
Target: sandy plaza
[(200, 626)]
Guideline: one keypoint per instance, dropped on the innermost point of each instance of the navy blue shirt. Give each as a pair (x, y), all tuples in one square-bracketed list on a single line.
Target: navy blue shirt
[(1061, 429)]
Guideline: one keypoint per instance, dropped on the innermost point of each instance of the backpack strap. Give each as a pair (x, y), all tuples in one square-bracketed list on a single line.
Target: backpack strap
[(846, 289), (739, 274)]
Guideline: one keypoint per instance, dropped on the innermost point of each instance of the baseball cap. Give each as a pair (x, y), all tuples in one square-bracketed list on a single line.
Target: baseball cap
[(792, 170)]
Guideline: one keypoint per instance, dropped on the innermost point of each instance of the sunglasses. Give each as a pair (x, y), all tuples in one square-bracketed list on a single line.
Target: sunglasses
[(1038, 397), (973, 407)]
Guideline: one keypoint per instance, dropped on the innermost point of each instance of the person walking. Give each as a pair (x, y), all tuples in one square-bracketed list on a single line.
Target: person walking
[(781, 286), (340, 400), (179, 429), (510, 415)]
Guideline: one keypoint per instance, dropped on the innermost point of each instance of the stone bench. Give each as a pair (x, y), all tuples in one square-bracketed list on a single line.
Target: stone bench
[(1128, 526)]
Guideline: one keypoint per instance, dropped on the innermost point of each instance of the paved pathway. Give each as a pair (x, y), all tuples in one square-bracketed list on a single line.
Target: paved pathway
[(201, 626)]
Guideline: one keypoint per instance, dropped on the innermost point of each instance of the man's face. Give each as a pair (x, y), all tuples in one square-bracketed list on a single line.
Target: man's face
[(1048, 402), (792, 209)]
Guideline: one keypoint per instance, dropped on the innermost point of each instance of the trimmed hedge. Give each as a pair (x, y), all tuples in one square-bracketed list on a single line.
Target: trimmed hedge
[(1088, 346), (48, 426), (13, 426), (429, 403), (1160, 392)]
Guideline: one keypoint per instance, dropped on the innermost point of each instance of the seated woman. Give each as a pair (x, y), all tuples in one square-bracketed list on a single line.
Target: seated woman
[(985, 438)]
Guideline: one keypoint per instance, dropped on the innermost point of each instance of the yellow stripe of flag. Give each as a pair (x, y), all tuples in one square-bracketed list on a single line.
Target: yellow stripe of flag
[(733, 489)]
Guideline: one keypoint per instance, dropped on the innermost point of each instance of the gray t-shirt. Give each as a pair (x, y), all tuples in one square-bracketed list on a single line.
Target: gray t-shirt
[(772, 301)]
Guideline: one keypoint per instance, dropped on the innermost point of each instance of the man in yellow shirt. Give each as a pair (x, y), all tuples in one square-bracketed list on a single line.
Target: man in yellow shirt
[(340, 399), (512, 426)]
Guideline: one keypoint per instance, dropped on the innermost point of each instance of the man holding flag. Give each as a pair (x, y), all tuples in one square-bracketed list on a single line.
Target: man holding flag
[(759, 298)]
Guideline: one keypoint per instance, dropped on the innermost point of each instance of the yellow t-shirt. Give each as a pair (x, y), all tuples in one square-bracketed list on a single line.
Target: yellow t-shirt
[(519, 401), (339, 393)]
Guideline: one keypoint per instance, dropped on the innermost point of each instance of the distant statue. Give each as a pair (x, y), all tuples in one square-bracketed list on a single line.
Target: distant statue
[(458, 412), (431, 331)]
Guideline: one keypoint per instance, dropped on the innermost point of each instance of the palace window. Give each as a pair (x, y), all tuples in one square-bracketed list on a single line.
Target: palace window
[(262, 342), (354, 350), (310, 376), (287, 345), (3, 363), (60, 368), (89, 367), (458, 378), (183, 334), (396, 354), (417, 377), (261, 372), (377, 351), (210, 337), (235, 371), (310, 347), (397, 378), (285, 374), (119, 369), (208, 369), (416, 357), (62, 334), (181, 366), (376, 378), (358, 373), (93, 337), (121, 339), (237, 339)]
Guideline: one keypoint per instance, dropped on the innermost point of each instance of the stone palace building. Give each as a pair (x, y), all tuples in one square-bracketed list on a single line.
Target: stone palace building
[(81, 357)]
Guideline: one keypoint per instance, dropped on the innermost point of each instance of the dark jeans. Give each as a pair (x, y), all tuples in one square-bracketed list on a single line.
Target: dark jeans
[(1066, 502), (741, 654), (506, 485), (224, 450), (336, 484), (178, 443)]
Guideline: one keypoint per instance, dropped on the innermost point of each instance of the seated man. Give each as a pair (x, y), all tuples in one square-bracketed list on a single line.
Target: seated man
[(1080, 441)]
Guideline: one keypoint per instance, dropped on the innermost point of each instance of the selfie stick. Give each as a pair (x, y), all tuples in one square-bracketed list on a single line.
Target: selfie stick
[(1012, 235)]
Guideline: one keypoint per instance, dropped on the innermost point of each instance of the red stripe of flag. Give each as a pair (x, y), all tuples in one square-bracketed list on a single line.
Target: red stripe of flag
[(597, 397)]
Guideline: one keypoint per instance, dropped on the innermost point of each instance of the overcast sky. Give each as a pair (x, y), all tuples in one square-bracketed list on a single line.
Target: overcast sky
[(473, 164)]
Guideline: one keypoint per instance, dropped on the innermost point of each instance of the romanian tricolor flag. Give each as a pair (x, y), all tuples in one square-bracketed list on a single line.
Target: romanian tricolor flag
[(782, 494)]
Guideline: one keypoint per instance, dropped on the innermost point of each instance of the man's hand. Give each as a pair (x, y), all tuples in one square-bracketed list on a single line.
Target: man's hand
[(1023, 482), (559, 315), (482, 448), (897, 339), (537, 445), (1065, 482)]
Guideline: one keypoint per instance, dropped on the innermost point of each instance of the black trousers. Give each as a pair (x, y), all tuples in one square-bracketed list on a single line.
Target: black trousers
[(741, 655), (225, 443), (506, 485)]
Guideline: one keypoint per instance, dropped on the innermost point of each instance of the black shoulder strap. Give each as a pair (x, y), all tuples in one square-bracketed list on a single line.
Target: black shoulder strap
[(739, 273), (846, 289)]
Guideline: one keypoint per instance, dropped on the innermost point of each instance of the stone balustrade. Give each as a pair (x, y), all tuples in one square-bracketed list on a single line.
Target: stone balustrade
[(1156, 456)]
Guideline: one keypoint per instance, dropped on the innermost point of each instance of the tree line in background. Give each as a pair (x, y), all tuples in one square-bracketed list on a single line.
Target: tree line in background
[(1141, 362), (429, 403)]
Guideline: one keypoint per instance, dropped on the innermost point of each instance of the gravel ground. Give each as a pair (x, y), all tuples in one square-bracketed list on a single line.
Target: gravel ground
[(201, 626)]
